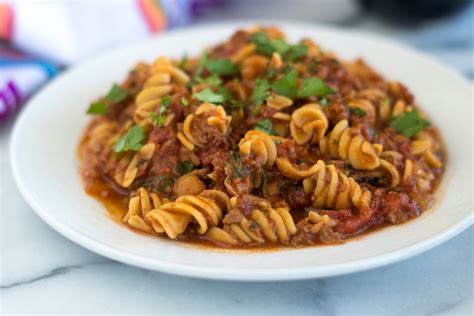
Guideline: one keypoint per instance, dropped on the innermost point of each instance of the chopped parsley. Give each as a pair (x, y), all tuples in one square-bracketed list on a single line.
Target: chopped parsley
[(409, 123), (314, 87), (267, 46), (116, 94), (183, 62), (287, 85), (253, 226), (201, 65), (358, 112), (296, 51), (207, 95), (385, 101), (98, 107), (158, 120), (222, 67), (239, 167), (132, 140), (184, 102), (260, 91), (160, 183), (266, 126), (264, 182), (277, 141), (184, 167), (324, 102), (213, 80), (313, 66)]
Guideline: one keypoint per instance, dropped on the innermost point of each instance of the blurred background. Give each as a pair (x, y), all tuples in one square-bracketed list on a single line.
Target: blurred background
[(39, 39)]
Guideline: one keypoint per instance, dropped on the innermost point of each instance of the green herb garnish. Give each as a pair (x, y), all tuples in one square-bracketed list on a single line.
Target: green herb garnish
[(184, 167), (132, 140), (287, 85), (409, 123), (264, 182), (207, 95), (238, 164), (324, 102), (358, 112), (116, 94), (201, 65), (213, 80), (296, 51), (222, 67), (98, 107), (267, 46), (158, 120), (160, 183), (313, 66), (260, 91), (183, 62), (253, 226), (266, 126), (184, 102), (314, 87)]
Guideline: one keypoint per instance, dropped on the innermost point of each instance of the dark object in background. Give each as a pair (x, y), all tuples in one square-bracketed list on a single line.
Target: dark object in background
[(414, 10)]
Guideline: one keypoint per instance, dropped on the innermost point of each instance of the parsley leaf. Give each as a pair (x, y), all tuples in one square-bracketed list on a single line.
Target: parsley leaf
[(184, 102), (267, 46), (213, 80), (264, 182), (207, 95), (226, 94), (160, 183), (296, 51), (262, 43), (314, 87), (222, 67), (183, 62), (409, 123), (358, 112), (260, 91), (158, 120), (324, 102), (238, 164), (184, 167), (132, 140), (116, 94), (287, 85), (98, 108), (313, 66), (201, 65), (266, 126)]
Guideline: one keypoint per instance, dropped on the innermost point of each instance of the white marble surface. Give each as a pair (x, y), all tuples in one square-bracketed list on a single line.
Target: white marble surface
[(42, 272)]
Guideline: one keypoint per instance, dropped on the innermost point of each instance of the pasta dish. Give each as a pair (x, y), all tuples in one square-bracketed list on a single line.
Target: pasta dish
[(259, 142)]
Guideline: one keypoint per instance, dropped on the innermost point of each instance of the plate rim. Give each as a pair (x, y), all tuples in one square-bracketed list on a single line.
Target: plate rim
[(260, 274)]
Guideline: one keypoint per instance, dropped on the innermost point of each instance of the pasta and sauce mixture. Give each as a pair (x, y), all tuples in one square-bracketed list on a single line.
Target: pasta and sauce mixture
[(258, 143)]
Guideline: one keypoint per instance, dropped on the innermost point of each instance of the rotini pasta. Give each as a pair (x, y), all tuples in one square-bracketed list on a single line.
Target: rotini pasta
[(259, 142), (344, 142)]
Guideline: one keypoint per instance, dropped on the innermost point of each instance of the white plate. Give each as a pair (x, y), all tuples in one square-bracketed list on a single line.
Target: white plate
[(43, 154)]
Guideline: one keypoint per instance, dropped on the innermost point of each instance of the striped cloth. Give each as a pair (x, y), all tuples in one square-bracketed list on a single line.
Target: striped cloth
[(63, 32)]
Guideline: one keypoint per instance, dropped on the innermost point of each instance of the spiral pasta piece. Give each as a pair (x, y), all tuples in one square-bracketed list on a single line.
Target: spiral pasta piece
[(260, 146), (387, 112), (308, 124), (216, 117), (278, 102), (424, 146), (295, 172), (265, 224), (346, 143), (205, 209), (319, 221), (139, 206), (331, 188), (130, 167)]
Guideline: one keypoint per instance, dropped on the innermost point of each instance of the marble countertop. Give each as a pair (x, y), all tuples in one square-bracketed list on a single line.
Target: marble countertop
[(42, 272)]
